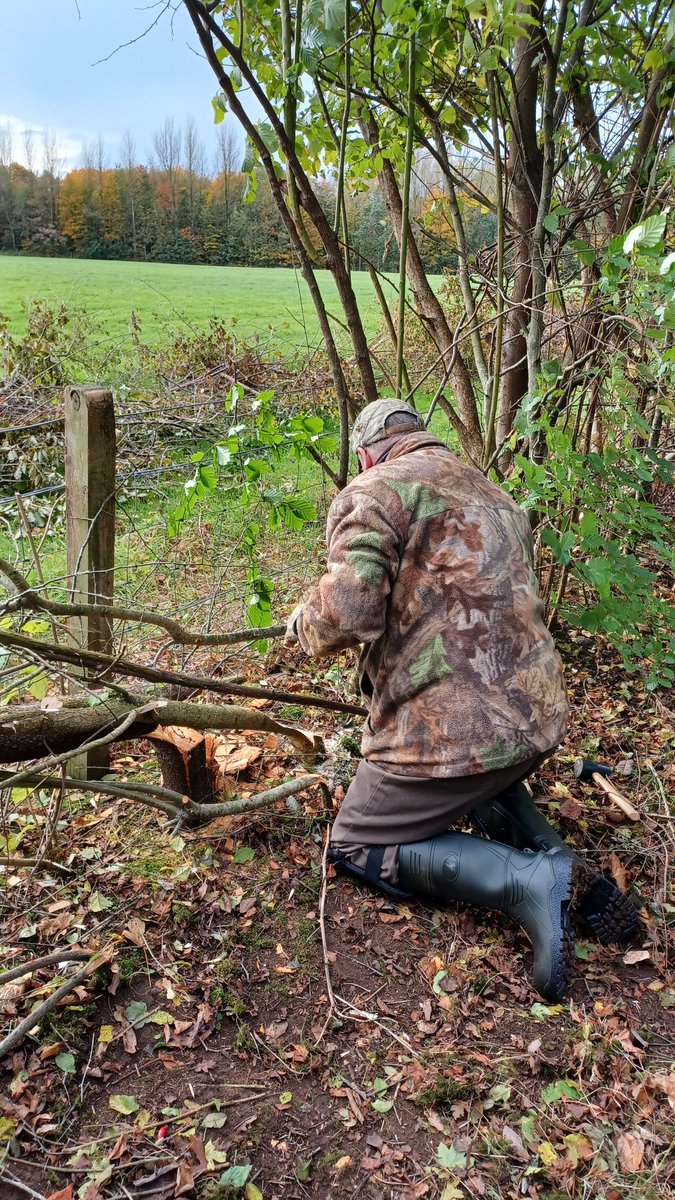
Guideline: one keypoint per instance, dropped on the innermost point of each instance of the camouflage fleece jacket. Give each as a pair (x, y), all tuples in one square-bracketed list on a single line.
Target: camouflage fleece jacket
[(430, 569)]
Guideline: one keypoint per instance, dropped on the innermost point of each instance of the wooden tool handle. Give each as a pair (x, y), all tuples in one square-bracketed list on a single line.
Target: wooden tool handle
[(616, 797)]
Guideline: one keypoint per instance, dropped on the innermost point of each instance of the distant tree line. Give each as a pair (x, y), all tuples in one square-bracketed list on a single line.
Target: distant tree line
[(177, 209)]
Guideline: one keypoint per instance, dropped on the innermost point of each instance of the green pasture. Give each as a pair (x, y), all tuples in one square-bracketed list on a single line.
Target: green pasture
[(270, 303)]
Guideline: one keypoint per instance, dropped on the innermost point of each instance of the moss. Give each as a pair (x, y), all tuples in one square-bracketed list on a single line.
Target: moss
[(71, 1024), (130, 964), (243, 1039), (441, 1092)]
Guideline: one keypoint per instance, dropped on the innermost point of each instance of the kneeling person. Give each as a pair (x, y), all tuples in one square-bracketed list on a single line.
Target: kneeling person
[(430, 570)]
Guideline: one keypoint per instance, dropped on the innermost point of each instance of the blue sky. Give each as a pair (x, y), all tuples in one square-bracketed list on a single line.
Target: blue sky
[(50, 76)]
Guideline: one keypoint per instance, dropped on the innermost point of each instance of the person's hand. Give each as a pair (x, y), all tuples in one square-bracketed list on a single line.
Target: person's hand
[(291, 637)]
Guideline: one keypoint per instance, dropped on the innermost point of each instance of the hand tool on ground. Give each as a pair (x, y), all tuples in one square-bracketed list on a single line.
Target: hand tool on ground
[(587, 769)]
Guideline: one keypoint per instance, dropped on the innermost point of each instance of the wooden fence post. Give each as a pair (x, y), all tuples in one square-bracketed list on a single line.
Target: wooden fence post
[(90, 531)]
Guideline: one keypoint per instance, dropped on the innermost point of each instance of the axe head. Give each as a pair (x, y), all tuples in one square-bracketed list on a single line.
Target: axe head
[(586, 768)]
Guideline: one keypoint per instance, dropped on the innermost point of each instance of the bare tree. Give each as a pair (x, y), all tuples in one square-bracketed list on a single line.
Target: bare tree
[(168, 143), (29, 149), (228, 156), (195, 165), (52, 169), (128, 155)]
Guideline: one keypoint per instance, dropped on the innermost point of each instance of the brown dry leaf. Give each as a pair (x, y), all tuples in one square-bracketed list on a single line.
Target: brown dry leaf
[(570, 809), (635, 956), (51, 704), (631, 1150), (343, 1163), (516, 1142), (275, 1030), (184, 1180), (666, 1083), (135, 931), (129, 1040), (618, 872), (65, 1193)]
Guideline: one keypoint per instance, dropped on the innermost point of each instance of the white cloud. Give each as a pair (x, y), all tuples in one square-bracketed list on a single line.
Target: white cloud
[(29, 141)]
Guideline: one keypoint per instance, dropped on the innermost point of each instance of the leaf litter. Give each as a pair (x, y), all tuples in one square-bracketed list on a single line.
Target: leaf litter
[(201, 1058)]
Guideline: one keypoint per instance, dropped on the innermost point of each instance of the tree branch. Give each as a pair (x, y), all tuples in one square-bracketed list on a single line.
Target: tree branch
[(107, 664), (28, 598)]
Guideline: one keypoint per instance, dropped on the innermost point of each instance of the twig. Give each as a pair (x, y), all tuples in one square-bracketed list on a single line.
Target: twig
[(21, 1187), (43, 863), (24, 1027), (36, 964), (324, 940), (338, 1002)]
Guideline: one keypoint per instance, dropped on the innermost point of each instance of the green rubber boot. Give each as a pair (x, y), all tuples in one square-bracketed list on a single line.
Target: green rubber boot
[(534, 889), (513, 818)]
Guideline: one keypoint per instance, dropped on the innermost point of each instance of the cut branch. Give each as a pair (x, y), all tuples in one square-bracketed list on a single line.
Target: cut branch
[(109, 665)]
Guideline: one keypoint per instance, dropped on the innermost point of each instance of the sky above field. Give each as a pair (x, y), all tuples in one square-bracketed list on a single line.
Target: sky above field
[(52, 79)]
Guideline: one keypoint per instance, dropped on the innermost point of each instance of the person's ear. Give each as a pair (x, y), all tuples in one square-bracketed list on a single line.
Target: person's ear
[(365, 460)]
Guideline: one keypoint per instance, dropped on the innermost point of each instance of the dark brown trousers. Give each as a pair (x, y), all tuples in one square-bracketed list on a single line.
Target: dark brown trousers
[(381, 809)]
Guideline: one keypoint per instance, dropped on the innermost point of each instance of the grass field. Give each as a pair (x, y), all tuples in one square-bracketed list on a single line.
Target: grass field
[(268, 301)]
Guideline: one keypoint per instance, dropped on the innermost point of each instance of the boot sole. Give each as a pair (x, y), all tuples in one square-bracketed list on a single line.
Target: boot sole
[(610, 914), (566, 874)]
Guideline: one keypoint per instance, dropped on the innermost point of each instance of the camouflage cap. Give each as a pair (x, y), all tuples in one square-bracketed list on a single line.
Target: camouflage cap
[(370, 425)]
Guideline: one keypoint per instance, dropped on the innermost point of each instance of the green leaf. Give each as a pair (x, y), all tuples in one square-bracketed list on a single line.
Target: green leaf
[(382, 1106), (99, 903), (303, 1171), (285, 1097), (161, 1017), (646, 235), (134, 1011), (581, 952), (552, 222), (235, 1177), (561, 1089), (66, 1063), (451, 1159), (243, 855), (541, 1011), (126, 1105)]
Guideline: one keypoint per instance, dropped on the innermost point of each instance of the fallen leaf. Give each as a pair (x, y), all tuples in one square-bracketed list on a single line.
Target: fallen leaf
[(135, 931), (630, 1149), (124, 1104), (547, 1153), (635, 956), (343, 1163), (65, 1193), (516, 1142), (618, 872)]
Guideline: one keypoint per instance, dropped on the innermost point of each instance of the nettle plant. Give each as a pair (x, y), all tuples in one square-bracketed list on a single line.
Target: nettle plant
[(597, 524), (261, 437)]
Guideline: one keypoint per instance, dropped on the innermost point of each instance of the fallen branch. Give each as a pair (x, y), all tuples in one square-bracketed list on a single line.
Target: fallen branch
[(25, 728), (45, 863), (24, 1027), (108, 664), (27, 597), (173, 804), (47, 960)]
